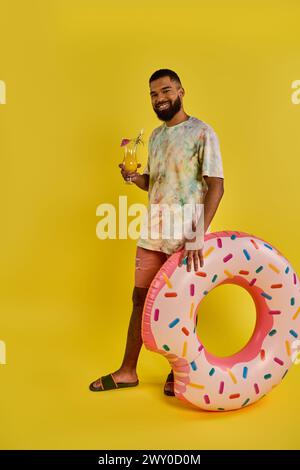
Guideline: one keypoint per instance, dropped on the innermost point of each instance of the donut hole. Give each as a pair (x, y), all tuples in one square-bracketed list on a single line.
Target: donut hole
[(226, 320)]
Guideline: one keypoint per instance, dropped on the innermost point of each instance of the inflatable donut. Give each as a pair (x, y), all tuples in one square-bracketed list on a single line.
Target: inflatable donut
[(169, 321)]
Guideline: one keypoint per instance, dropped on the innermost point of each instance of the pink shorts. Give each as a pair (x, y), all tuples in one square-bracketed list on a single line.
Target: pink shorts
[(147, 264)]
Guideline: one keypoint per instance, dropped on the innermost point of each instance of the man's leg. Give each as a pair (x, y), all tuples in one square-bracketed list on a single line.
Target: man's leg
[(127, 371), (147, 264)]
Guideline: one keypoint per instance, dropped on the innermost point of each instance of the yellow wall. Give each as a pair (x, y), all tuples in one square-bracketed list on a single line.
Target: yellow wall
[(76, 75)]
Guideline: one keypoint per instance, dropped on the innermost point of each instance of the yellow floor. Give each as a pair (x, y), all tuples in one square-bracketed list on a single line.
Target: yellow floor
[(46, 403)]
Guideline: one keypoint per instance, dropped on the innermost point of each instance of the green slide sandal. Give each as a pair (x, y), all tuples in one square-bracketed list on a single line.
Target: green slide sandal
[(108, 383)]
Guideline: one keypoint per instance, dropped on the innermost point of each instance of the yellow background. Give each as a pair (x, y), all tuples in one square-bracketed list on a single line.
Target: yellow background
[(77, 75)]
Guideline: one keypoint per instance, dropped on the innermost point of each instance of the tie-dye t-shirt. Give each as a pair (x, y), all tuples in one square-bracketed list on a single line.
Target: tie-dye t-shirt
[(178, 158)]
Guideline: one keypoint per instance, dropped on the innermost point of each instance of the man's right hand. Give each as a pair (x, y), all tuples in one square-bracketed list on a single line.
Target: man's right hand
[(141, 181), (129, 174)]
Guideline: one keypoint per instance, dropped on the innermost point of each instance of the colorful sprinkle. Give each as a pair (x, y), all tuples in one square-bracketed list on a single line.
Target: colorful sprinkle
[(174, 322), (221, 388), (191, 310), (245, 372), (253, 242), (272, 332), (288, 348), (208, 252), (228, 273), (185, 331), (212, 371), (295, 278), (205, 292), (166, 347), (276, 286), (156, 314), (184, 349), (234, 395), (232, 376), (192, 290), (243, 272), (287, 270), (233, 237), (293, 333), (259, 269), (219, 242), (279, 361), (206, 399), (268, 246), (292, 300), (246, 401), (201, 274), (274, 312), (200, 347), (227, 258), (253, 281), (194, 365), (167, 280), (267, 296), (262, 354), (267, 376), (170, 294), (246, 254), (214, 278), (274, 268), (296, 314), (256, 388), (191, 384)]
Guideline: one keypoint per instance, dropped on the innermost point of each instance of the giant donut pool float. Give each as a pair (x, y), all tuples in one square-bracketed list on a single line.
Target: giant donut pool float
[(169, 321)]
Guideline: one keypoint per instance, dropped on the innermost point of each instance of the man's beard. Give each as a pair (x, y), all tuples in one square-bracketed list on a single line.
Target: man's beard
[(169, 113)]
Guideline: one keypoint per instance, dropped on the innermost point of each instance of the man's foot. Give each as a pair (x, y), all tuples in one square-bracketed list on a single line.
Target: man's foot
[(118, 379), (169, 385)]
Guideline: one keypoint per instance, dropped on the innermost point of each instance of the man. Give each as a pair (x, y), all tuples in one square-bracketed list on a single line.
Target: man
[(184, 166)]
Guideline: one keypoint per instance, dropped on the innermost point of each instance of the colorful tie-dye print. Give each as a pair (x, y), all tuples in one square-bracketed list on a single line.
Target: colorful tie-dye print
[(178, 158)]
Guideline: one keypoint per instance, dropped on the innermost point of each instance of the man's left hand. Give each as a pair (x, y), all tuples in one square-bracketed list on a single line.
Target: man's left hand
[(193, 257)]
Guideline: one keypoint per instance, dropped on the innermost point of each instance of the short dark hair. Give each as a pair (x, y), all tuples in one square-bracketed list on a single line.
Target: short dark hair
[(165, 73)]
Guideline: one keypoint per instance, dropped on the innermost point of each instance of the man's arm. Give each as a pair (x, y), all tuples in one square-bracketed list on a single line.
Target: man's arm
[(212, 200), (142, 181), (213, 197)]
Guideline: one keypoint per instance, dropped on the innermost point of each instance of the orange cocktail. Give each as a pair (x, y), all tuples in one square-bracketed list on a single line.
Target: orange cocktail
[(130, 154)]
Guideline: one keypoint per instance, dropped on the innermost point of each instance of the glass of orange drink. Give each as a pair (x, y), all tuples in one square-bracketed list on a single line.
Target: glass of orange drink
[(130, 153), (130, 160)]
